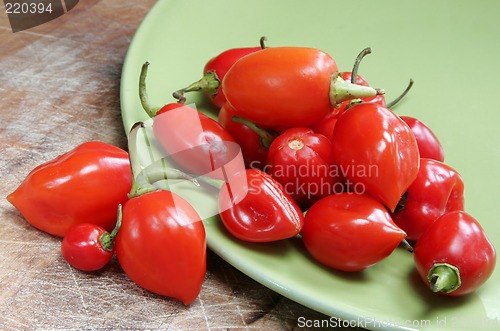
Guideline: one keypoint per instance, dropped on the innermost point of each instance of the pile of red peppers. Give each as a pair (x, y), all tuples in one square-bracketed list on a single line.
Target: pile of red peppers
[(325, 159)]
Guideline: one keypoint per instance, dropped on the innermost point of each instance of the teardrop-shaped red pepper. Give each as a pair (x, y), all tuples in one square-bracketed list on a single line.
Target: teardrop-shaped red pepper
[(288, 86), (350, 232), (84, 185), (161, 244), (376, 149)]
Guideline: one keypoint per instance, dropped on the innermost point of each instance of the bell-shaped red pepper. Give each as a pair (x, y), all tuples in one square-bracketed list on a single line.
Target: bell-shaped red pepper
[(83, 185), (161, 244), (438, 189)]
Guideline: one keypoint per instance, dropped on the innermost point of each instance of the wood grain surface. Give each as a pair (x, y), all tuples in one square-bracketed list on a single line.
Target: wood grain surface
[(59, 88)]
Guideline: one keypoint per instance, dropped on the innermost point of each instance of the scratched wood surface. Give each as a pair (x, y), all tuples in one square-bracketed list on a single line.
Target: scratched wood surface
[(59, 88)]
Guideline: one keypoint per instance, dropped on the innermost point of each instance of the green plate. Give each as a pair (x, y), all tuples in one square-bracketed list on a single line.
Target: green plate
[(450, 48)]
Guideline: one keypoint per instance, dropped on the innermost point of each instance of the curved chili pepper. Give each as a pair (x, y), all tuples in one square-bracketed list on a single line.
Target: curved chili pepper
[(84, 185)]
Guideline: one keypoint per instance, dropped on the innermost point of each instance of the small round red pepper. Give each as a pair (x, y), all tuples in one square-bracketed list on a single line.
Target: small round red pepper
[(89, 247), (303, 162)]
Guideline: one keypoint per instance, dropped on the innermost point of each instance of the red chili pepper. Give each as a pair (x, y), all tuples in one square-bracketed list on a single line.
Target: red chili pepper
[(198, 143), (350, 232), (89, 247), (214, 71), (454, 256), (428, 143), (261, 211), (287, 86), (83, 185), (375, 149), (161, 244), (437, 190), (303, 163)]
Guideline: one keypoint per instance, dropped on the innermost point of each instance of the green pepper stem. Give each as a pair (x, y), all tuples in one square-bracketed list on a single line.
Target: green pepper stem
[(143, 95), (401, 96), (444, 277), (355, 68), (155, 174), (406, 245), (139, 184), (107, 239), (266, 138), (209, 83), (262, 42), (144, 178), (216, 183), (341, 90)]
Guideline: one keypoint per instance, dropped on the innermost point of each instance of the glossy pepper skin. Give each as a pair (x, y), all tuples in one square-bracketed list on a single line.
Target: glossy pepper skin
[(350, 232), (253, 147), (287, 86), (260, 212), (83, 185), (218, 66), (437, 190), (380, 147), (454, 257), (83, 247), (161, 245), (428, 143), (195, 141), (302, 162)]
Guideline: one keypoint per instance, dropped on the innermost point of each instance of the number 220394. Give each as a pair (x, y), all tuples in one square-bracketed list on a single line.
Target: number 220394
[(28, 8)]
